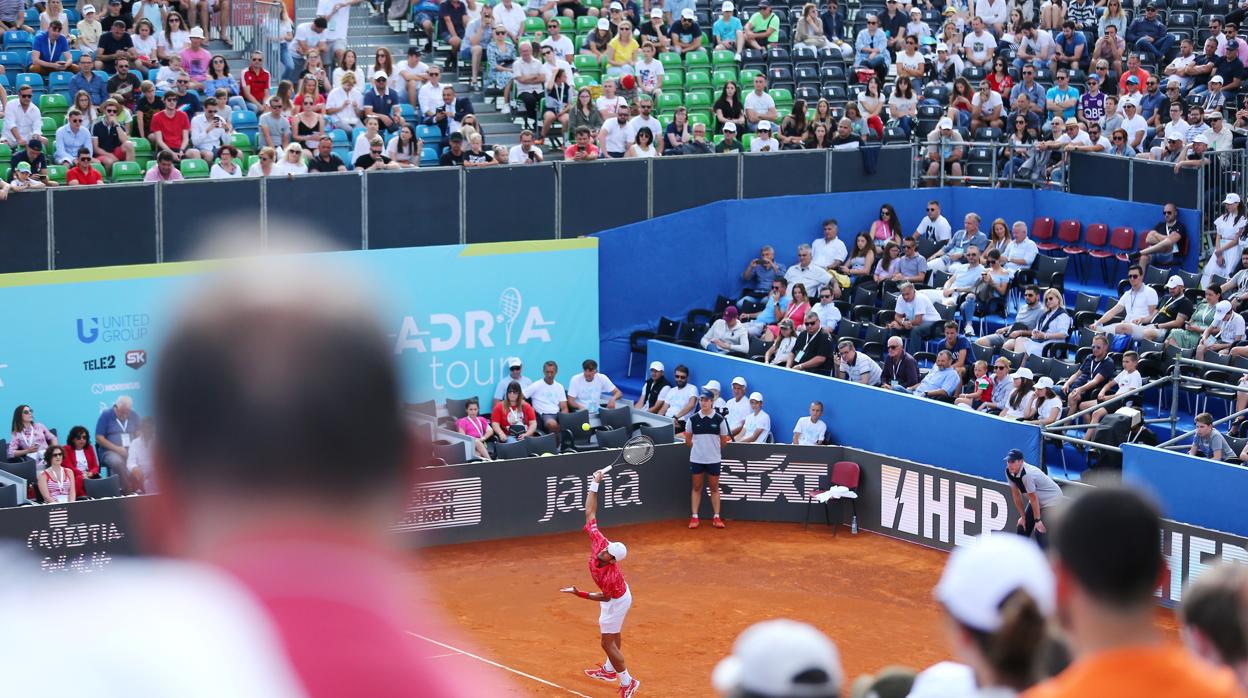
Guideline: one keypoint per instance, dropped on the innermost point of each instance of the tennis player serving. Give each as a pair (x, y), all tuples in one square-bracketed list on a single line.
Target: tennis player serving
[(615, 597)]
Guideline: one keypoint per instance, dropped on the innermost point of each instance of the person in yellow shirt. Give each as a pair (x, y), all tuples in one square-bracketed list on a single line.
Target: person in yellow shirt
[(89, 30), (1107, 564), (622, 52)]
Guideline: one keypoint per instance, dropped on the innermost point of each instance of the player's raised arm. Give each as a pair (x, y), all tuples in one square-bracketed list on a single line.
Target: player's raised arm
[(591, 501)]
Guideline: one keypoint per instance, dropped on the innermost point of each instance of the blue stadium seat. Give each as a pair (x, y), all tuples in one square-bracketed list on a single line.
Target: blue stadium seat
[(35, 80), (58, 82), (345, 154), (429, 155), (428, 134), (408, 112), (340, 138), (245, 122), (14, 62), (19, 40)]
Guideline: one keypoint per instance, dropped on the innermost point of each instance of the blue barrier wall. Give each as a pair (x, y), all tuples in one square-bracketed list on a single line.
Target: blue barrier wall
[(690, 257), (1185, 487), (872, 419)]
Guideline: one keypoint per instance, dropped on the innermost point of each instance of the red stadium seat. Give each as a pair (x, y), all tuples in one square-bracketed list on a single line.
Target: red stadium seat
[(1042, 233), (1068, 232), (1096, 238), (1123, 240), (845, 473)]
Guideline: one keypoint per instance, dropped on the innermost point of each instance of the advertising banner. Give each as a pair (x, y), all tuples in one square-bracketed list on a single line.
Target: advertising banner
[(455, 313), (536, 496)]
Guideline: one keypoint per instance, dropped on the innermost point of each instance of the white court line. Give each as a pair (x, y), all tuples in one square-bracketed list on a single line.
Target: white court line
[(496, 664), (445, 654)]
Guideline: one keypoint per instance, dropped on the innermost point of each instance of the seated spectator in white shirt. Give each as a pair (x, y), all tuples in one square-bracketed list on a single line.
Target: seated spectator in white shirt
[(1226, 331), (209, 131), (525, 153), (853, 365), (933, 226), (679, 399), (139, 458), (548, 397), (652, 389), (727, 334), (810, 431), (763, 141), (829, 314), (1138, 304), (514, 368), (586, 389), (738, 406), (757, 427), (810, 275), (1021, 251), (829, 252), (717, 402)]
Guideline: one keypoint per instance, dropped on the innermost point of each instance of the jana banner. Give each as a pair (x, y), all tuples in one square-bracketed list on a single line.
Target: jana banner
[(83, 338)]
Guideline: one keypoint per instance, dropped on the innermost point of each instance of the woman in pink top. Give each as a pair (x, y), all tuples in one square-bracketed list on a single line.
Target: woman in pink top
[(796, 312), (28, 438), (477, 427)]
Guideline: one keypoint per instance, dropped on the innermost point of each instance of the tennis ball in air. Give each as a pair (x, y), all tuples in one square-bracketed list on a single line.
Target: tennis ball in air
[(585, 426)]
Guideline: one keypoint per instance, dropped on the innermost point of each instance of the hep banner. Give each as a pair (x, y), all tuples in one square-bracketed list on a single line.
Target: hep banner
[(454, 314)]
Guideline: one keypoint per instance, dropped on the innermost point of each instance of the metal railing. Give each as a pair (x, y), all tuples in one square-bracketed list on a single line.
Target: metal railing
[(994, 171), (1177, 382), (255, 25)]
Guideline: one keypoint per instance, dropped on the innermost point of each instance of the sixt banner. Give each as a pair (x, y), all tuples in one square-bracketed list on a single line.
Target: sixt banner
[(454, 315), (535, 496)]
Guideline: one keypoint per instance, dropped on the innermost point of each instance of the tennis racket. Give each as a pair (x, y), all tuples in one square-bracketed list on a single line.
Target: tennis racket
[(637, 451)]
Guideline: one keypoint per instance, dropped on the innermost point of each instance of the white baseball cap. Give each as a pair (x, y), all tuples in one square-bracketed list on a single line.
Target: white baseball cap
[(1201, 138), (764, 125), (617, 550), (730, 127), (945, 124), (604, 24), (615, 6), (727, 7), (1023, 372), (768, 658), (942, 47), (739, 381), (1231, 198), (1222, 308), (514, 362), (380, 75), (1129, 103), (1216, 78), (980, 576), (1044, 382), (687, 14), (712, 385), (656, 12), (759, 396), (1174, 281), (656, 365), (87, 9), (197, 32), (944, 679)]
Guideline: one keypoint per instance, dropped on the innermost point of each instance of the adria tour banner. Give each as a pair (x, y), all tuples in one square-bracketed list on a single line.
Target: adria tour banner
[(78, 340)]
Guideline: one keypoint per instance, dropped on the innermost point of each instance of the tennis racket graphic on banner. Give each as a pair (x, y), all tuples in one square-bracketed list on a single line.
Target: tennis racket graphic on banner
[(637, 451), (509, 309)]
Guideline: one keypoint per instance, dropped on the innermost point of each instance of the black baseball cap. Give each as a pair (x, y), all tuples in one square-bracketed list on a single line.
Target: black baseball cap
[(1013, 455), (413, 50)]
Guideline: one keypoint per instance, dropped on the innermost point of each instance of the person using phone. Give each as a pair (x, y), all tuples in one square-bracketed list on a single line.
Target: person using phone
[(583, 149), (209, 131)]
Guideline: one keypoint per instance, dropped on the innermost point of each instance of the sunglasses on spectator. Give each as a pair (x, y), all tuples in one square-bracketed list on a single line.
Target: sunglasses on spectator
[(682, 376), (1133, 276), (825, 296), (872, 22), (265, 158), (810, 323), (500, 33), (84, 158), (932, 209), (27, 411), (1000, 368), (1170, 213)]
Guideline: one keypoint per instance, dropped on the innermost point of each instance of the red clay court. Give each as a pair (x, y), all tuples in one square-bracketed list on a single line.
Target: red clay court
[(694, 591)]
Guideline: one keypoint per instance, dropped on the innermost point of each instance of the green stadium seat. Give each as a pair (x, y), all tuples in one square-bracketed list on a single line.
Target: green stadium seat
[(697, 59), (586, 24), (746, 140), (126, 171), (670, 60), (57, 173), (566, 26), (723, 58), (701, 117), (4, 171), (54, 107), (698, 100), (242, 142), (747, 76), (697, 79), (534, 25), (194, 169), (673, 77), (722, 76), (783, 99), (584, 81), (668, 101)]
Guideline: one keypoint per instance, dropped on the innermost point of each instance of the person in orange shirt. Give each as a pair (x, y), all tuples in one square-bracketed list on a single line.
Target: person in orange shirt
[(1215, 617), (1108, 562)]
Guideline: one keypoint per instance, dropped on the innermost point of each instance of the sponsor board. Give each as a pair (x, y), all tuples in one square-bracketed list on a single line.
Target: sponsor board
[(442, 504), (136, 358)]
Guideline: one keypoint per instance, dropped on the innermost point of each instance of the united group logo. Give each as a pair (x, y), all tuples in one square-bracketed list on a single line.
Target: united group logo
[(136, 358), (130, 327)]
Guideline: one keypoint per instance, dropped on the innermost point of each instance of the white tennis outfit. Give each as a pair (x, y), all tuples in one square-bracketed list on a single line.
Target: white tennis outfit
[(611, 613), (1228, 228)]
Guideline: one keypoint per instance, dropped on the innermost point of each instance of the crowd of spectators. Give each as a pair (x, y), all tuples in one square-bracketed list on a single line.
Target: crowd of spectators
[(966, 316), (122, 445)]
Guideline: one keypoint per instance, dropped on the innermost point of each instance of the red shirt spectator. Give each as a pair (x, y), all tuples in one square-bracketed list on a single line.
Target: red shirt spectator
[(500, 415), (571, 151), (171, 128), (84, 173), (256, 80)]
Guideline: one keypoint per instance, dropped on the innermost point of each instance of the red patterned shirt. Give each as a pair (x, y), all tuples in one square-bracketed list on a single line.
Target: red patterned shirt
[(609, 578)]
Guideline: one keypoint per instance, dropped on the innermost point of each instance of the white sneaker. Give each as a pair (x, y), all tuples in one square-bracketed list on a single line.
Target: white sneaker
[(969, 330), (738, 57), (505, 108)]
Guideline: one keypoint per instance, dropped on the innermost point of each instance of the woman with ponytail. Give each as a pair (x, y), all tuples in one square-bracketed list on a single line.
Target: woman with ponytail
[(998, 594)]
